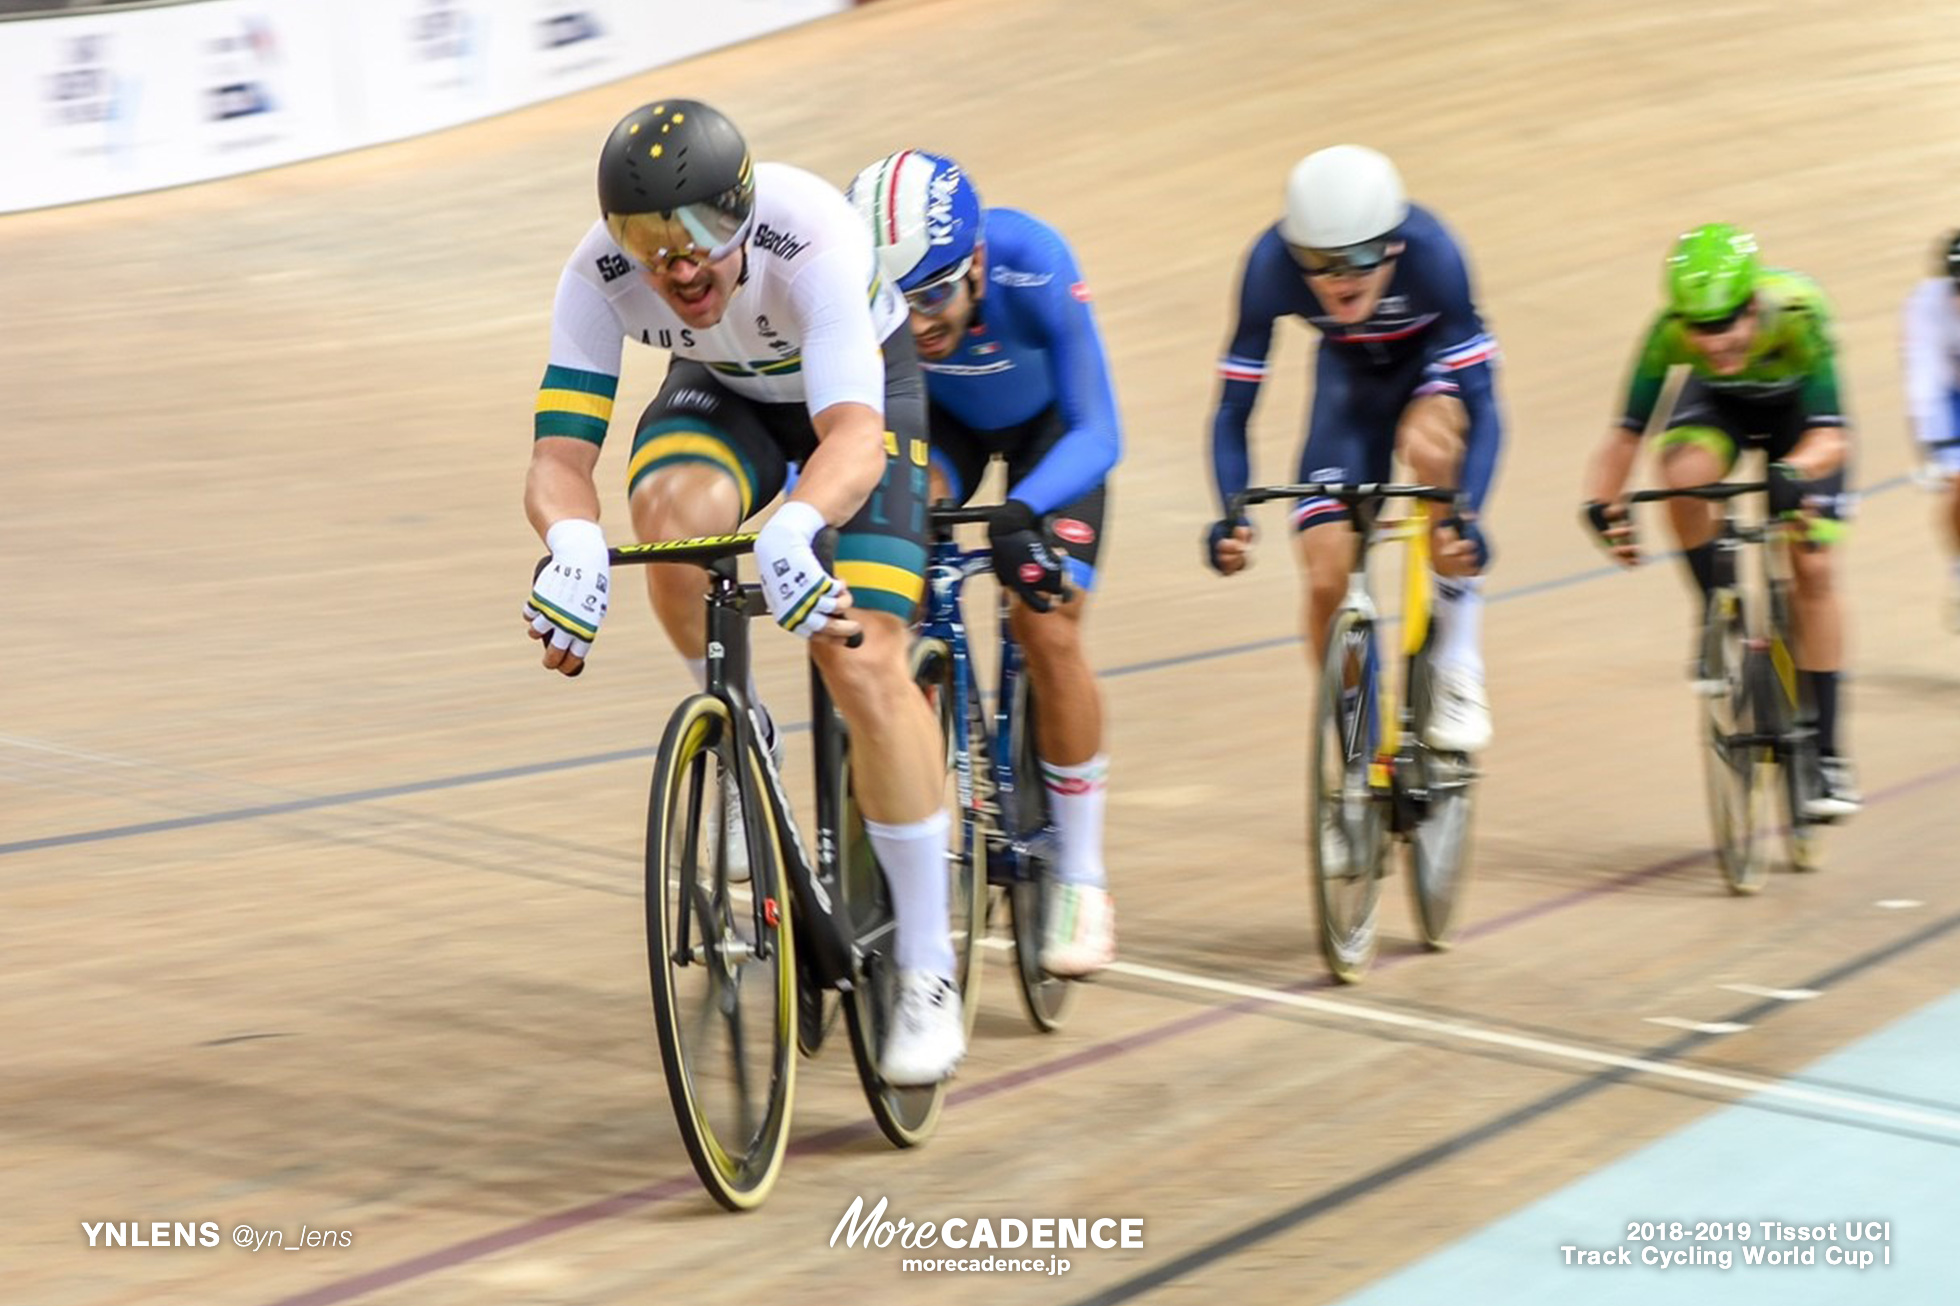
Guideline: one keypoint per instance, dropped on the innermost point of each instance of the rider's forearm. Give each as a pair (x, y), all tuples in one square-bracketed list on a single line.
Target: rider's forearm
[(1612, 464), (559, 484), (1819, 452), (848, 463)]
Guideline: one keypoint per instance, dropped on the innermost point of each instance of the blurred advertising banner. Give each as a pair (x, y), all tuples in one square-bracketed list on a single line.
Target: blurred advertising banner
[(113, 102)]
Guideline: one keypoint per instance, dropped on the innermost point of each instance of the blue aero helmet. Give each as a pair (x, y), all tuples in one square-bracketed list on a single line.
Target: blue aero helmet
[(924, 218)]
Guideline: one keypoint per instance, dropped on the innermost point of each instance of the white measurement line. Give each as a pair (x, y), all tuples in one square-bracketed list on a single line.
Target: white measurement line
[(1899, 904), (1781, 995), (1946, 1122), (1698, 1026)]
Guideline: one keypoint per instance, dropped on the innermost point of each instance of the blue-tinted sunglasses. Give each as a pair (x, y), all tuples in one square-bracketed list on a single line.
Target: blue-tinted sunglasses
[(933, 298)]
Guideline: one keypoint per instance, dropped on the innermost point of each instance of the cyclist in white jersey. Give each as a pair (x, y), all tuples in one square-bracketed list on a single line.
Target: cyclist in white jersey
[(1932, 368), (787, 348)]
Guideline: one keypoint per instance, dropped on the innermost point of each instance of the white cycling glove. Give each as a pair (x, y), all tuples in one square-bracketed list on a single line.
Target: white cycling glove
[(801, 594), (568, 599)]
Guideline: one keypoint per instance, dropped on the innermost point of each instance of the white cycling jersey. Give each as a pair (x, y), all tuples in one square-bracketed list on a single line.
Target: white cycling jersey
[(805, 324), (1932, 362)]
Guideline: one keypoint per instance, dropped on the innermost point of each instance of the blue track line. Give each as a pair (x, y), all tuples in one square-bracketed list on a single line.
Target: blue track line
[(350, 797)]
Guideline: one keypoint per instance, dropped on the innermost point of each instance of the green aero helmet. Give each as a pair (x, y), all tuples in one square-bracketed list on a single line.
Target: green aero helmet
[(1711, 273)]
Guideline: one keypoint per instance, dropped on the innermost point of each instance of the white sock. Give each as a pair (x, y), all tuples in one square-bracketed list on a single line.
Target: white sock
[(914, 858), (1075, 797), (1458, 618), (698, 668)]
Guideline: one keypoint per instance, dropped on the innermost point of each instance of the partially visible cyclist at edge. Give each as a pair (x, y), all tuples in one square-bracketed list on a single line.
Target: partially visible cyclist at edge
[(1762, 373), (1015, 369), (1404, 367), (787, 346), (1932, 367)]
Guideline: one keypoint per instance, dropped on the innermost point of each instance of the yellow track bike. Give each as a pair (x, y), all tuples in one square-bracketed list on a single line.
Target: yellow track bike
[(1374, 780)]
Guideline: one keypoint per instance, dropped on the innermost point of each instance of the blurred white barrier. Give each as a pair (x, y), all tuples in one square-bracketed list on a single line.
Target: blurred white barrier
[(109, 103)]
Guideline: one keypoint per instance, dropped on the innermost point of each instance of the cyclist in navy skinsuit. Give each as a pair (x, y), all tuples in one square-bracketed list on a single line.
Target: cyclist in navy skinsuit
[(1015, 369), (1404, 366)]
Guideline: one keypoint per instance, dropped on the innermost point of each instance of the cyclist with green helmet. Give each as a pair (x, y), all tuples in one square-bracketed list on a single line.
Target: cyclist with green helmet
[(1762, 373)]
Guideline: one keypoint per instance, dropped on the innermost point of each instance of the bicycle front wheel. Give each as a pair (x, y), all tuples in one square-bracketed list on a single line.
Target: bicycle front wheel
[(1439, 847), (1737, 773), (722, 961), (1348, 828)]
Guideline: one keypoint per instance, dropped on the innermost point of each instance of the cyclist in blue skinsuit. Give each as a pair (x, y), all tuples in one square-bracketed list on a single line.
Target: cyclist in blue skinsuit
[(1015, 369), (1405, 367)]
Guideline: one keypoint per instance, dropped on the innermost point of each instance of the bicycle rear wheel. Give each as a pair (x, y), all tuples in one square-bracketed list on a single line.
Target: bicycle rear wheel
[(1348, 828), (1047, 998), (722, 961), (1736, 775), (1439, 847), (906, 1115)]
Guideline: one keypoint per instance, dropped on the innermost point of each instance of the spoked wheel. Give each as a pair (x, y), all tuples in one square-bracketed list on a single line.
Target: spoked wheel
[(722, 961), (1048, 998), (1737, 769), (1348, 834), (906, 1115), (1439, 848)]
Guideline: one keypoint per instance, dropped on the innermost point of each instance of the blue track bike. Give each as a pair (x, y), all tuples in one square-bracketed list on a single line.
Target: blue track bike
[(995, 768)]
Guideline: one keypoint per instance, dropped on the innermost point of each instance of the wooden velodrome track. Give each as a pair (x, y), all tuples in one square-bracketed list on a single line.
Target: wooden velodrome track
[(319, 902)]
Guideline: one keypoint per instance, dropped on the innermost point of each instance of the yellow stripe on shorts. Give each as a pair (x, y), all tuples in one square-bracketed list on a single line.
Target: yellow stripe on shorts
[(683, 444), (883, 577)]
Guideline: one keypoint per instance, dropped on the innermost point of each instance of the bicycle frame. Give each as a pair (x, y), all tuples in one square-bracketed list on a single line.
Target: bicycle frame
[(1412, 530), (814, 883), (987, 786), (1731, 538)]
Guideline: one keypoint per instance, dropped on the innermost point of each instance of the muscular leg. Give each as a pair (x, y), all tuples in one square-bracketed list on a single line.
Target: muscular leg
[(897, 756), (1819, 617), (1682, 466), (1430, 438), (678, 503), (1068, 726), (1326, 554), (1819, 620), (898, 776), (1068, 704)]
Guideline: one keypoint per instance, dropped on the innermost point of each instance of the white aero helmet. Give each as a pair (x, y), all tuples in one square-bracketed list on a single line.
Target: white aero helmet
[(1340, 196)]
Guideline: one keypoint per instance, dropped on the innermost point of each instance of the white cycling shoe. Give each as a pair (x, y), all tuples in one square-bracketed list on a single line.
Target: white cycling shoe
[(927, 1036), (1080, 934), (1459, 714)]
